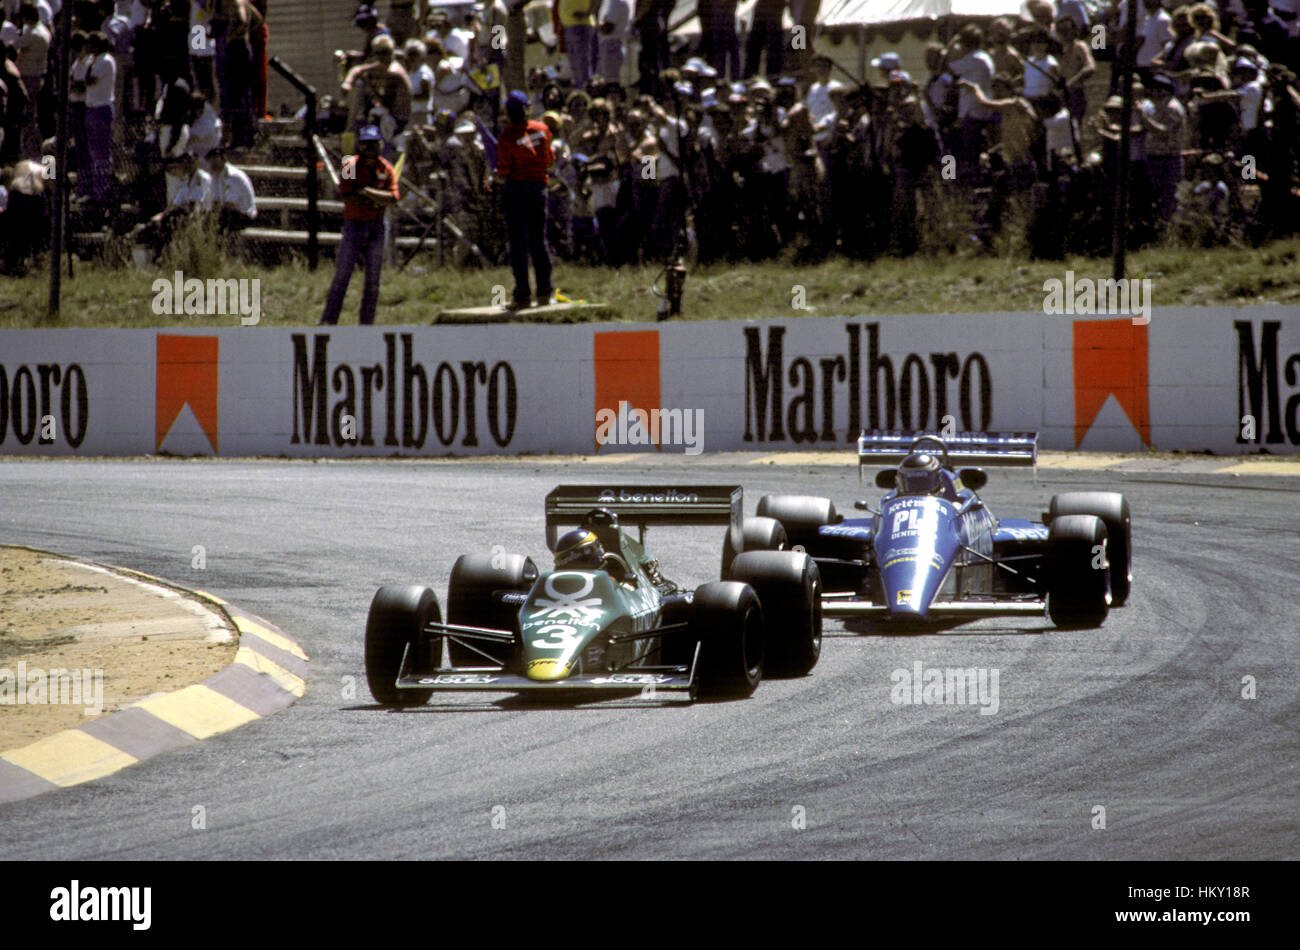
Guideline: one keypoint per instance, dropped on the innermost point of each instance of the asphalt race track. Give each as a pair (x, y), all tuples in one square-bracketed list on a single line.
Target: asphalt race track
[(1143, 717)]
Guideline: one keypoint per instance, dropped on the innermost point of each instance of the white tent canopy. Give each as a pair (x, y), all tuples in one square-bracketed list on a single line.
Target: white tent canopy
[(868, 12)]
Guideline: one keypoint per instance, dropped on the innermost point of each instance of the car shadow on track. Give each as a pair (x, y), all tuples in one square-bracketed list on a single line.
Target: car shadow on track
[(854, 629)]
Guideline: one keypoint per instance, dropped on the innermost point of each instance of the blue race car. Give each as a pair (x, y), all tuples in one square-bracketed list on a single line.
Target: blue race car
[(933, 551)]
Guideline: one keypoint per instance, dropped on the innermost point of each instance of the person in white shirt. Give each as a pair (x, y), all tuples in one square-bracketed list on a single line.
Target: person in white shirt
[(612, 24), (193, 195), (421, 75), (1042, 71), (451, 88), (968, 61), (101, 87), (1250, 97), (818, 99), (33, 54), (231, 193), (205, 126), (81, 60), (1153, 32)]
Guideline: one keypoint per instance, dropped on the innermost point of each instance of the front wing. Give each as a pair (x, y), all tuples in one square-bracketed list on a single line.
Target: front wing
[(679, 680)]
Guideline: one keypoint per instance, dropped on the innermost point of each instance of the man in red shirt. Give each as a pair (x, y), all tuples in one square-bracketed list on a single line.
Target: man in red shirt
[(523, 156), (368, 185)]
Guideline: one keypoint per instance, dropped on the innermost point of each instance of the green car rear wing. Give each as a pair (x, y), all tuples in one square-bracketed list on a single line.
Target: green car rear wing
[(644, 505)]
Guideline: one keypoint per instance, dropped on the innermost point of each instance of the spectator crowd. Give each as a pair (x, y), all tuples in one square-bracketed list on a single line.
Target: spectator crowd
[(737, 149)]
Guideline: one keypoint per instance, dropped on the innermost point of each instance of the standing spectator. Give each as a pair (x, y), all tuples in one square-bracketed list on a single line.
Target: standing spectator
[(1042, 71), (80, 60), (368, 185), (578, 20), (724, 43), (1165, 146), (1005, 58), (420, 75), (650, 20), (603, 144), (120, 31), (611, 48), (1077, 66), (1153, 33), (17, 105), (523, 157), (33, 55), (1017, 131), (203, 48), (914, 160), (941, 95), (969, 62), (380, 94), (101, 85), (401, 20), (1250, 98), (1172, 58), (766, 33), (233, 24), (258, 40)]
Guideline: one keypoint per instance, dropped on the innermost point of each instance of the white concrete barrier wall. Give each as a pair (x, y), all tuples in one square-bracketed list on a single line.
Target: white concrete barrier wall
[(1220, 379)]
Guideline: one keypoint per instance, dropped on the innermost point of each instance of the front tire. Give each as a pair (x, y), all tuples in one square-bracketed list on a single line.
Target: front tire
[(1112, 508), (729, 625), (395, 625), (470, 601), (789, 587), (1078, 593)]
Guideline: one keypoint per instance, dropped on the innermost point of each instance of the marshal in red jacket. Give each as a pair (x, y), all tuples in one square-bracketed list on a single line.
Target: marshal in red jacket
[(524, 152)]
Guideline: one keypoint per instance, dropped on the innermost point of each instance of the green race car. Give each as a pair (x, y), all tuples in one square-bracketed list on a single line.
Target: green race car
[(605, 621)]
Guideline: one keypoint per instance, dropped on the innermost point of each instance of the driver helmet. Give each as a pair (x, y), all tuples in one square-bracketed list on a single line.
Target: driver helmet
[(919, 475), (578, 548)]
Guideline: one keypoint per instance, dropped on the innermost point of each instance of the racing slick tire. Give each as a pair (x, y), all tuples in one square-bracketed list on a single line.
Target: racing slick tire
[(474, 579), (728, 621), (1112, 508), (800, 515), (789, 588), (398, 614), (760, 534), (1078, 594)]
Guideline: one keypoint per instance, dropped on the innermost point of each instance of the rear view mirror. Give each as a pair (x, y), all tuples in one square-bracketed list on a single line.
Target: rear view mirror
[(885, 478), (973, 478)]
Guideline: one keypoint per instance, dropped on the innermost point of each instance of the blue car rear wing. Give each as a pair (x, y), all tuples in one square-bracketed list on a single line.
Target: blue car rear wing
[(966, 448), (644, 505)]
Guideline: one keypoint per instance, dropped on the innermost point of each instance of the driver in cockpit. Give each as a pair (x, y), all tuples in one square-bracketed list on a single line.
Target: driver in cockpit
[(581, 550), (919, 474)]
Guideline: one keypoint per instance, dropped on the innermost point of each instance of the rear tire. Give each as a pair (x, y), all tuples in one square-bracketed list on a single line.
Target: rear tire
[(789, 587), (397, 617), (760, 534), (1078, 594), (800, 515), (729, 624), (1112, 508), (474, 579)]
